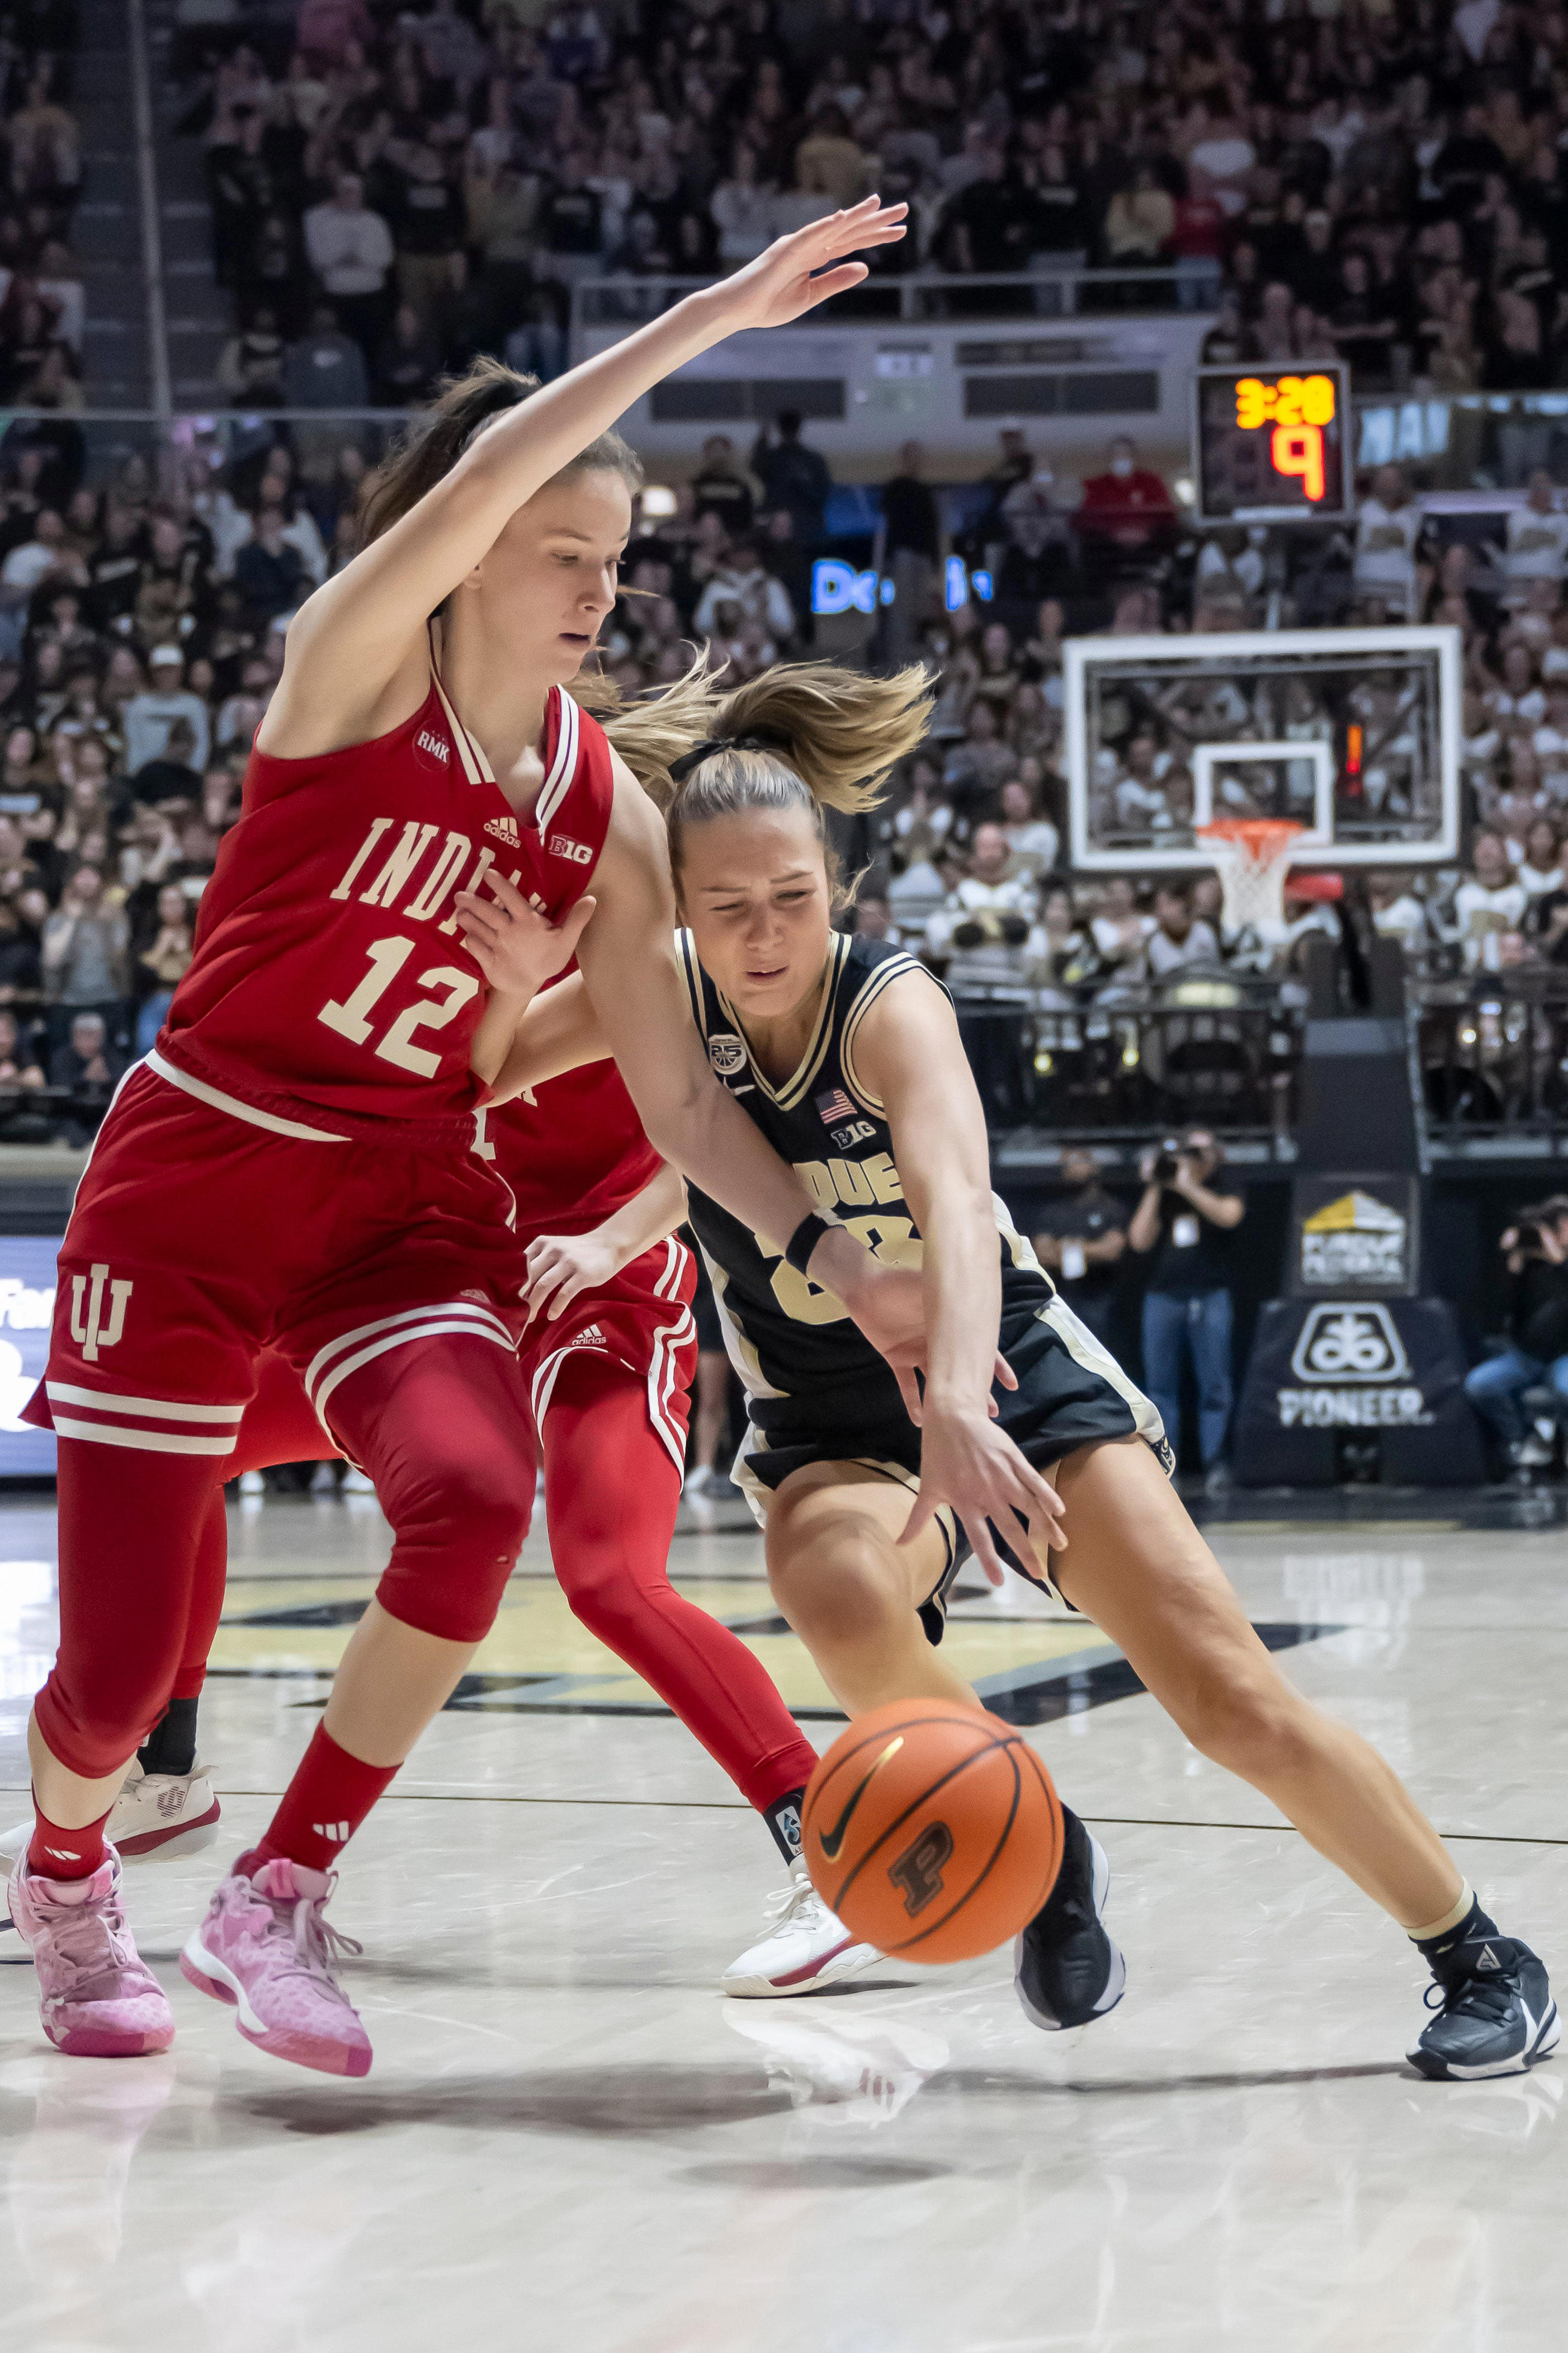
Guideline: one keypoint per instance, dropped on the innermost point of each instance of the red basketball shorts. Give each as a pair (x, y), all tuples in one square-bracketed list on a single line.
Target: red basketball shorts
[(641, 1321), (198, 1239)]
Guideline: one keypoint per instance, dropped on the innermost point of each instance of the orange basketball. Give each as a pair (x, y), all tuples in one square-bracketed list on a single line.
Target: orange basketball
[(933, 1832)]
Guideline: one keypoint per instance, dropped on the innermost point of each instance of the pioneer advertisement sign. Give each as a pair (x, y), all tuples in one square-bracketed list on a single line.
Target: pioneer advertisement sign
[(1354, 1237), (1386, 1370)]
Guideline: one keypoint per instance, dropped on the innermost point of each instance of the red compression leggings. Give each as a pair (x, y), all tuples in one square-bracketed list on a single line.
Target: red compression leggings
[(440, 1425), (611, 1489)]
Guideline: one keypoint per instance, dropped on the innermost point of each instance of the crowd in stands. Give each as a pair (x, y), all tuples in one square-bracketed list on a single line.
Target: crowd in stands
[(1383, 181), (43, 301)]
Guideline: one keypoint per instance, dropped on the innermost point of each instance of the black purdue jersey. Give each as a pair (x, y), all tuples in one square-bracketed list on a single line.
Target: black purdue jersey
[(796, 1348)]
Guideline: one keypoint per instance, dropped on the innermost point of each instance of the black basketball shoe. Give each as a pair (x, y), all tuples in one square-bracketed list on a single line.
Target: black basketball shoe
[(1066, 1968), (1494, 2014)]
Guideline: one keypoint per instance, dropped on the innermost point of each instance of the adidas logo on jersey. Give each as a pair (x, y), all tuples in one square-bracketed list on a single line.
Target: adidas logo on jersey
[(590, 1336), (336, 1833), (426, 741), (561, 845), (505, 829)]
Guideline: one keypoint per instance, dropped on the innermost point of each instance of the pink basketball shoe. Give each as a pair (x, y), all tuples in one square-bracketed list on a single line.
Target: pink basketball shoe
[(98, 1997), (265, 1947)]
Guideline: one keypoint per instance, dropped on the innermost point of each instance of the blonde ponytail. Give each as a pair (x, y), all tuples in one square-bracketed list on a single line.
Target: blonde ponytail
[(652, 729), (803, 735)]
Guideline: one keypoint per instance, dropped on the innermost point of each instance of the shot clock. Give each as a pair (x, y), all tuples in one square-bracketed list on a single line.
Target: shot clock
[(1269, 444)]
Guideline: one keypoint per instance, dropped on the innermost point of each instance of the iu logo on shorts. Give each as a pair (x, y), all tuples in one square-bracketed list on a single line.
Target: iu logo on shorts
[(92, 1330), (916, 1873)]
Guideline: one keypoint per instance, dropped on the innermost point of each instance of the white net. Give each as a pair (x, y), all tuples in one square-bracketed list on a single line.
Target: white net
[(1253, 856)]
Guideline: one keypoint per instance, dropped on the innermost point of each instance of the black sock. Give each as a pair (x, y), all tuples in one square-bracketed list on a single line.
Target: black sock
[(1475, 1923), (782, 1818), (171, 1746)]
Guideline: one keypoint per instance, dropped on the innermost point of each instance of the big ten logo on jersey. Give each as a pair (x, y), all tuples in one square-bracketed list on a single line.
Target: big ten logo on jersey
[(561, 845), (97, 1322)]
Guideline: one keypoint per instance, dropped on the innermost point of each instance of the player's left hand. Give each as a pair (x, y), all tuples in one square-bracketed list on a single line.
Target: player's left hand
[(967, 1462), (516, 947), (561, 1265), (889, 1303)]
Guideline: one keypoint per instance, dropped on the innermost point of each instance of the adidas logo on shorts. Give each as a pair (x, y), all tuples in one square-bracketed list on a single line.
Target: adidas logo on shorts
[(336, 1833), (505, 829)]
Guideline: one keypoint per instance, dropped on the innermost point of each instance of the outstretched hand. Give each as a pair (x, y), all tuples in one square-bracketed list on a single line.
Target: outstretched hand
[(808, 267)]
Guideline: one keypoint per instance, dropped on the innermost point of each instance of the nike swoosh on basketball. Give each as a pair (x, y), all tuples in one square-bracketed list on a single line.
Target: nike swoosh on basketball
[(830, 1841)]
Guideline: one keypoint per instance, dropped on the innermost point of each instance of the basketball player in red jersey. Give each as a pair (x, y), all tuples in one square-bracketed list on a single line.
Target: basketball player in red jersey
[(291, 1168), (608, 1358)]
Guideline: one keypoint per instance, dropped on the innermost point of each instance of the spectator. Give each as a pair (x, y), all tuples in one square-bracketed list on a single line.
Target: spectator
[(150, 715), (1489, 902), (1127, 509), (1388, 534), (984, 928), (85, 959), (19, 1068), (1032, 838), (1535, 1250), (1081, 1238), (792, 476), (85, 1063), (351, 253), (828, 162), (1178, 937), (720, 488), (1537, 535), (744, 209), (326, 368), (163, 964), (170, 775), (1184, 1221), (754, 592)]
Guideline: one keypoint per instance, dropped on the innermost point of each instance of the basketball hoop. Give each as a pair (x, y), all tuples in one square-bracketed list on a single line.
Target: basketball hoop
[(1253, 855)]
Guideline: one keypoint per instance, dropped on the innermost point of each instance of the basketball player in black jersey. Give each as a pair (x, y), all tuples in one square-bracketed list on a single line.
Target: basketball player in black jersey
[(846, 1055)]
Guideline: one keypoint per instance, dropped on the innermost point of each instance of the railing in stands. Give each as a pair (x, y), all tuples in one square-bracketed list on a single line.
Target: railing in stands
[(1049, 291), (1491, 1054), (1209, 1052)]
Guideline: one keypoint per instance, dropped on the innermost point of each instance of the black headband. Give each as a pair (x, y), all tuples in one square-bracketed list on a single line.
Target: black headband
[(680, 769)]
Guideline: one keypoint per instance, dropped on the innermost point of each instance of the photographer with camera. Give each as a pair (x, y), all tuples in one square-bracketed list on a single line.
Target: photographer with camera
[(1080, 1238), (1185, 1218), (1535, 1251)]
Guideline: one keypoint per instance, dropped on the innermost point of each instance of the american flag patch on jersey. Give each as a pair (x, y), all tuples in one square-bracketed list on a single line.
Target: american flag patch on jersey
[(833, 1106)]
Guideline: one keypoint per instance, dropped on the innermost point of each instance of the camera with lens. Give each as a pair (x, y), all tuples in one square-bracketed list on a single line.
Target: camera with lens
[(1166, 1158), (1532, 1227)]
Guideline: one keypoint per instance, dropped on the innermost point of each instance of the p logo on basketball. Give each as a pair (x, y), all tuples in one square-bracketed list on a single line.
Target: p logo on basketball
[(918, 1870)]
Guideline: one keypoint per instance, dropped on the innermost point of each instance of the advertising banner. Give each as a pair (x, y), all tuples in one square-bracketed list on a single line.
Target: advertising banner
[(1388, 1370)]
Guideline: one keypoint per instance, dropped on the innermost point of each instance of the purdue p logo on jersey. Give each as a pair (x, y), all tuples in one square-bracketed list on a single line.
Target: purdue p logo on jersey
[(727, 1054), (91, 1328)]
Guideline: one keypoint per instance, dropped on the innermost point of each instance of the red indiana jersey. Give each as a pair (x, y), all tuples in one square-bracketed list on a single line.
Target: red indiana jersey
[(573, 1155), (331, 974)]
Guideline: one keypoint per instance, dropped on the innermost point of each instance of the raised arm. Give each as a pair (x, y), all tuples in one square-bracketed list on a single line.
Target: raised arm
[(910, 1053), (349, 639)]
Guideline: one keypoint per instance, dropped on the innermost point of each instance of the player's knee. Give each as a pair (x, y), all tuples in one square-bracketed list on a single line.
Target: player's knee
[(1252, 1725), (838, 1588), (458, 1536)]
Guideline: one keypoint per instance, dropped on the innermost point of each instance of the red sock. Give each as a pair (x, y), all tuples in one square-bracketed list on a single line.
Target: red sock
[(323, 1806), (57, 1853)]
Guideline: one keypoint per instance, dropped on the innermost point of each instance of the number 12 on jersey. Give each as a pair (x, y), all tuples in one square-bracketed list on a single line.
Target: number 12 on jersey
[(352, 1019)]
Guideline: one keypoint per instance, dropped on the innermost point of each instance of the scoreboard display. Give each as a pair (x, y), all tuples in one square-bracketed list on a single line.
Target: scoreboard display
[(1272, 444)]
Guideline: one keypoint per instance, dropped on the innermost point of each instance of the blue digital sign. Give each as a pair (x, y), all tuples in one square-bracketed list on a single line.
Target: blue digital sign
[(26, 1312)]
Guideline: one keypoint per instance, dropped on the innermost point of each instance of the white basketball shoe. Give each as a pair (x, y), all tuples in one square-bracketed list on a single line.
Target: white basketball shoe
[(806, 1947), (162, 1814)]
